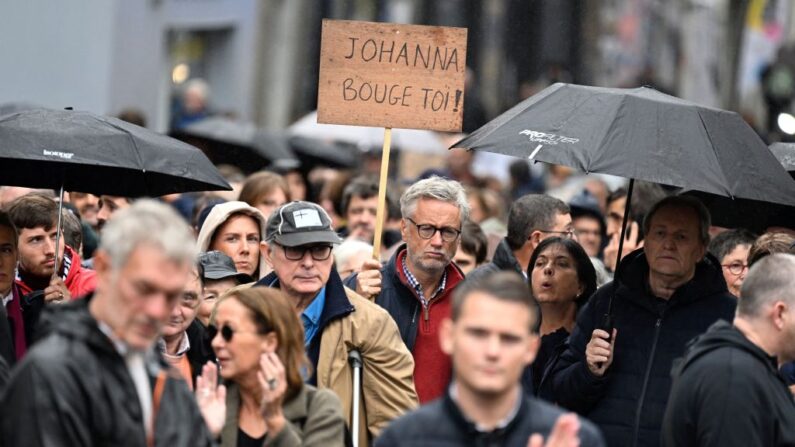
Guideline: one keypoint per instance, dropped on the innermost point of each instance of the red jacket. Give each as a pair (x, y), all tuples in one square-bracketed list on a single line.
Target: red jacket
[(80, 281)]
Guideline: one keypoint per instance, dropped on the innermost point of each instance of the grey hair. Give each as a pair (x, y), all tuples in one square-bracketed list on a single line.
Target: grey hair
[(436, 188), (147, 222), (704, 219), (771, 279), (350, 247)]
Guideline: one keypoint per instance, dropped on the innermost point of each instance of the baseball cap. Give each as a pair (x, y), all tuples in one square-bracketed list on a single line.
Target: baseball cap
[(217, 265), (300, 223)]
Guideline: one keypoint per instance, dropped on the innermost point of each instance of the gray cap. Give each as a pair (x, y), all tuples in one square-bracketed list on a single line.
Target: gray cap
[(217, 265), (300, 223)]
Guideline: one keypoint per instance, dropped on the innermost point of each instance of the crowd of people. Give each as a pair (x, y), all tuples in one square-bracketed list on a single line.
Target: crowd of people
[(490, 317)]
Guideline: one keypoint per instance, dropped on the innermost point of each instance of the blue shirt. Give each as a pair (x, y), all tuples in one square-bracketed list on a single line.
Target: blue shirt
[(311, 316)]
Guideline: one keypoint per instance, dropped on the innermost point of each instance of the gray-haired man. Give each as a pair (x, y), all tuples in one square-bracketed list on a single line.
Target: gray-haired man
[(419, 279), (96, 378)]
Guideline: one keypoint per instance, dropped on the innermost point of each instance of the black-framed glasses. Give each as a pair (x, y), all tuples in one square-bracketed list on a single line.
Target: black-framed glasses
[(226, 332), (735, 268), (568, 234), (318, 252), (426, 231)]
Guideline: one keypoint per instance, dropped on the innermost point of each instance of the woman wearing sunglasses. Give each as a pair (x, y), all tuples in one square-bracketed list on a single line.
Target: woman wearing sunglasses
[(259, 344)]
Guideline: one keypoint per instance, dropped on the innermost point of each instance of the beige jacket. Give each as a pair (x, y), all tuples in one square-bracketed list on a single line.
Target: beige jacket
[(314, 418), (219, 215), (388, 367)]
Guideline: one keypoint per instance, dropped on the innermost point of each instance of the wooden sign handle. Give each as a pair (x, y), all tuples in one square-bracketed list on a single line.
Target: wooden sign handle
[(379, 215)]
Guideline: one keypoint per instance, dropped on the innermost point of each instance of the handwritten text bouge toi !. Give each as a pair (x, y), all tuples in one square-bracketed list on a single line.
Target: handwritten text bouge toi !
[(403, 54)]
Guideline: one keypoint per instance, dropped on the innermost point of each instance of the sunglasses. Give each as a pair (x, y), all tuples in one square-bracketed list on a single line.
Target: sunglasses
[(226, 332)]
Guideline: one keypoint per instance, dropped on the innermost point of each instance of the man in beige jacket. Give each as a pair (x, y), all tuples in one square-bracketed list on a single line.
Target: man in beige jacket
[(336, 320)]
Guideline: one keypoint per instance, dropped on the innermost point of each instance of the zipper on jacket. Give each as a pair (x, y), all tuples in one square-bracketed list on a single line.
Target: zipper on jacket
[(636, 428), (426, 318)]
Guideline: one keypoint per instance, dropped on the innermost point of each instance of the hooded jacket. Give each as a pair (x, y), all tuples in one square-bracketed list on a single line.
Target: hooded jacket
[(348, 322), (628, 401), (728, 392), (73, 388), (78, 279), (219, 215)]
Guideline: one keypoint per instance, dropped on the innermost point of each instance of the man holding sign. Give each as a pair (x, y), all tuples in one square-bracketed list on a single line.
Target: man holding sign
[(419, 279)]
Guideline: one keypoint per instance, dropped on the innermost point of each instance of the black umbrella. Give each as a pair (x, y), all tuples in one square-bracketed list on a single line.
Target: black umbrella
[(638, 134), (312, 151), (81, 151), (240, 143), (753, 215)]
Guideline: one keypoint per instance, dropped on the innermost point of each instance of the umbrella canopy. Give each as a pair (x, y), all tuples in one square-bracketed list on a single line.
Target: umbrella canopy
[(313, 151), (753, 215), (268, 145), (639, 134), (81, 151), (413, 140)]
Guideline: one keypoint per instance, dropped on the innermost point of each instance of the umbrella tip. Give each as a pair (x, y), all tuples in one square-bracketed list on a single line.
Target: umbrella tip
[(69, 108)]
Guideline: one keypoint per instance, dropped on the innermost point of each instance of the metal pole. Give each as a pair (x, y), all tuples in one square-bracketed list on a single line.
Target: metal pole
[(59, 229), (355, 359)]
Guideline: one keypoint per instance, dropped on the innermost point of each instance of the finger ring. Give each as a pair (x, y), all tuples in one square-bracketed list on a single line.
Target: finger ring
[(205, 392), (272, 384)]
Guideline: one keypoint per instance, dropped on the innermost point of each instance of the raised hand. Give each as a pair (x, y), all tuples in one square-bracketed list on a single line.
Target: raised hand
[(273, 381), (563, 434), (368, 283), (211, 398)]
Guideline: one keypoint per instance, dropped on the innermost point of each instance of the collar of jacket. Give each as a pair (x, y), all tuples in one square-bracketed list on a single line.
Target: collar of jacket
[(337, 303), (469, 428), (633, 280), (505, 259), (392, 272)]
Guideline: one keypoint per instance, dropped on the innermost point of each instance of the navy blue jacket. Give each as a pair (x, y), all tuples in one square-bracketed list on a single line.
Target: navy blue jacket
[(628, 402)]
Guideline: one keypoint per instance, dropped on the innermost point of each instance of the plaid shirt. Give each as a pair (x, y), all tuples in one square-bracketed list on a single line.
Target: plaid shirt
[(418, 288)]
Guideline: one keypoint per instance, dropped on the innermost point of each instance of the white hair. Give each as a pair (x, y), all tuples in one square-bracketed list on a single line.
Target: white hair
[(437, 188), (147, 222), (348, 249)]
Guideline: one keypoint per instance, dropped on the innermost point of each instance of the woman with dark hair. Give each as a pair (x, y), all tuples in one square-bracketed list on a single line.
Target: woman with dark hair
[(259, 343), (562, 278)]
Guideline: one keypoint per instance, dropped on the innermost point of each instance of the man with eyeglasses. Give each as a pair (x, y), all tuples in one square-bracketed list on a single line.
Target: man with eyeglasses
[(96, 377), (186, 353), (532, 218), (417, 282), (298, 243)]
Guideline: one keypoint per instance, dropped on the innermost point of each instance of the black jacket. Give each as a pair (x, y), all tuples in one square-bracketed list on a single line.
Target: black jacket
[(728, 392), (503, 260), (73, 388), (629, 401), (441, 423), (201, 350)]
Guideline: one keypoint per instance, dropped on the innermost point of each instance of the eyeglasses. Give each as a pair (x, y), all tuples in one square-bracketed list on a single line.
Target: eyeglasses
[(318, 252), (226, 332), (449, 234), (569, 234), (735, 267)]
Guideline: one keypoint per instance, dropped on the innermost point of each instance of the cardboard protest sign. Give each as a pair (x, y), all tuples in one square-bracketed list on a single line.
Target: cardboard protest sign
[(390, 75)]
